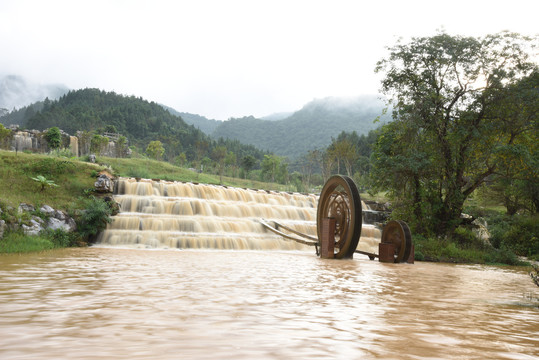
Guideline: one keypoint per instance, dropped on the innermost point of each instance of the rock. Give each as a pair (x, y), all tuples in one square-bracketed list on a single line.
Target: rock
[(56, 220), (55, 224), (104, 183), (47, 210), (480, 229), (23, 207), (35, 227), (91, 158), (2, 228)]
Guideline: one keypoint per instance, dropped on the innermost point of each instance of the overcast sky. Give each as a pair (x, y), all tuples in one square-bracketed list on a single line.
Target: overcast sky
[(231, 58)]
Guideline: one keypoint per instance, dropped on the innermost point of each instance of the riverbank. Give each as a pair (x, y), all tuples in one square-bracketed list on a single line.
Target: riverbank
[(73, 193), (67, 184)]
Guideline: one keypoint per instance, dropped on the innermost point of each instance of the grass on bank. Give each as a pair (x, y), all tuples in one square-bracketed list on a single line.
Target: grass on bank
[(76, 179), (152, 169), (72, 176), (429, 249)]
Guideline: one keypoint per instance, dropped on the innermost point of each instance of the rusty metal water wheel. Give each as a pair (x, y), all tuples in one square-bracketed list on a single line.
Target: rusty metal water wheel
[(340, 200), (398, 233)]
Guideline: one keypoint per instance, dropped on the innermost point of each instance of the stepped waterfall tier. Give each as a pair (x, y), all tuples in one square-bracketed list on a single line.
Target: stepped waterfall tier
[(163, 214)]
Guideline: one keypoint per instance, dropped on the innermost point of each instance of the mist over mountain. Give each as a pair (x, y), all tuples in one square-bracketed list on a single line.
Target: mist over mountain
[(286, 134), (17, 92), (277, 116), (310, 128), (200, 122)]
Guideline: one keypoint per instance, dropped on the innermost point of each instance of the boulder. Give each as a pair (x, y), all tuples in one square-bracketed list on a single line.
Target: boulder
[(47, 210), (23, 207), (2, 228), (104, 183), (36, 226), (58, 219)]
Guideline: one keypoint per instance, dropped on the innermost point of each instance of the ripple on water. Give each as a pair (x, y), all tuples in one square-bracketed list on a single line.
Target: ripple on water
[(162, 304)]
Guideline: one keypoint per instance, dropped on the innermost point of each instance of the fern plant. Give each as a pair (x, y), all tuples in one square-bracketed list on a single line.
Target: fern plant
[(44, 182)]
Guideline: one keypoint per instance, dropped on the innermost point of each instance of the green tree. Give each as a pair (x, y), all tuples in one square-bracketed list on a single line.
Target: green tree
[(344, 151), (121, 147), (247, 163), (98, 144), (54, 138), (274, 168), (219, 154), (441, 145), (5, 136), (516, 179), (180, 160), (155, 150), (231, 161)]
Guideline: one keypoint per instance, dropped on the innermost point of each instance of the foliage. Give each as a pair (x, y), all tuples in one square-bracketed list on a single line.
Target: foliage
[(432, 249), (44, 182), (93, 112), (98, 144), (155, 150), (247, 163), (53, 137), (310, 128), (61, 238), (274, 169), (219, 154), (518, 233), (5, 137), (121, 147), (534, 274), (446, 135), (94, 218)]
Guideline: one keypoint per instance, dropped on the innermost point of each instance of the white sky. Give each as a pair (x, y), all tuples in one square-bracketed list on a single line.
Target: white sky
[(231, 58)]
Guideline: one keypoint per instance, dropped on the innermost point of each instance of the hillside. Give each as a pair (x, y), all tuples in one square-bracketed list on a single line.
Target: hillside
[(202, 123), (310, 128), (139, 120)]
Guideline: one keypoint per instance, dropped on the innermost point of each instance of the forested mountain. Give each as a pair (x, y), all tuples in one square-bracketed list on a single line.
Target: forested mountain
[(137, 119), (16, 92), (208, 126), (310, 128)]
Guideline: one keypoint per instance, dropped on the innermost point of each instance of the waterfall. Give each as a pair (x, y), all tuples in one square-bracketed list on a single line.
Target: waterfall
[(164, 214)]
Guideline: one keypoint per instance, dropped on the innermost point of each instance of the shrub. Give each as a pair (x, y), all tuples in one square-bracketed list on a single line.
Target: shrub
[(517, 233), (61, 238), (94, 218)]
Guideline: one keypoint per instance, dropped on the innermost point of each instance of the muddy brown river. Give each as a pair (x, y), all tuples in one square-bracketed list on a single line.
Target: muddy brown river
[(113, 303)]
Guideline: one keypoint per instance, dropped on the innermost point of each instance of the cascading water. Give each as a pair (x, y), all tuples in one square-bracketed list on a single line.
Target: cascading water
[(163, 214)]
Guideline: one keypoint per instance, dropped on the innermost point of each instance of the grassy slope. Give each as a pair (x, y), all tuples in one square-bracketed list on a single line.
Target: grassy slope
[(16, 185), (151, 169), (74, 177)]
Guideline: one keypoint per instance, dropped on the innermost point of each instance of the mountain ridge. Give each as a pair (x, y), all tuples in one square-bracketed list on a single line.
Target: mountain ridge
[(309, 128)]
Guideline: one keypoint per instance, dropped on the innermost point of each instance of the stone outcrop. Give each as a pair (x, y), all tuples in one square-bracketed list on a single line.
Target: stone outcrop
[(51, 220), (58, 219), (104, 182), (79, 145)]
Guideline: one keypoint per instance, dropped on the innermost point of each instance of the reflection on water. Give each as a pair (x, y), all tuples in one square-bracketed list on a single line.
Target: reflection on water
[(168, 304)]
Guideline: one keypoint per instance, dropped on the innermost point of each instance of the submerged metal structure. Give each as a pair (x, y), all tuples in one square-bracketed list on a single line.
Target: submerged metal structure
[(339, 223)]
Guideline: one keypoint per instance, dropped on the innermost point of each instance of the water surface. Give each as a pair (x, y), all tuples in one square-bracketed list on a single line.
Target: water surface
[(92, 303)]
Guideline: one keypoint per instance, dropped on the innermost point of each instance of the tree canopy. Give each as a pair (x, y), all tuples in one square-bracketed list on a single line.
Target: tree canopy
[(449, 128)]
